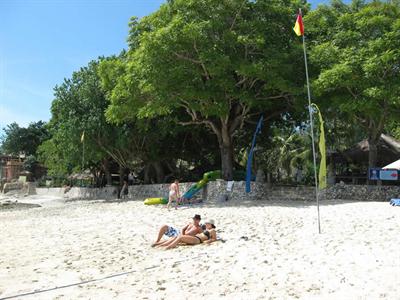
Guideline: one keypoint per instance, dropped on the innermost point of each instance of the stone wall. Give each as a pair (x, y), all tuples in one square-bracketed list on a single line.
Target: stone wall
[(361, 192), (23, 188), (156, 190), (295, 193), (11, 186), (135, 192), (80, 193), (216, 191)]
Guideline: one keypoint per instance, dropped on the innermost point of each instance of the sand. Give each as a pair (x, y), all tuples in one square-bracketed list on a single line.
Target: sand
[(272, 250)]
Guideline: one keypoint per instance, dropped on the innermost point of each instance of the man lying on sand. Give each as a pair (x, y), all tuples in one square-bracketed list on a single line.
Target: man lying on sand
[(190, 229), (207, 236)]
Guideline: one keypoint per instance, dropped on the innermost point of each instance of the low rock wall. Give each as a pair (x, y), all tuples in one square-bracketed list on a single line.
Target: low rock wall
[(80, 193), (19, 188), (11, 186), (156, 190), (296, 193), (217, 191), (361, 192)]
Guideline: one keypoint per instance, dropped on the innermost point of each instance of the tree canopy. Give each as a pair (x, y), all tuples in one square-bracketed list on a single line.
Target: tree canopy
[(24, 140), (186, 94), (217, 62), (355, 49)]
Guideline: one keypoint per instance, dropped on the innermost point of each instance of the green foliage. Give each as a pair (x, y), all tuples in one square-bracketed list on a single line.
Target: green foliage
[(111, 132), (393, 128), (51, 154), (356, 50), (30, 163), (216, 61), (207, 55), (287, 154), (19, 140), (220, 64), (78, 107)]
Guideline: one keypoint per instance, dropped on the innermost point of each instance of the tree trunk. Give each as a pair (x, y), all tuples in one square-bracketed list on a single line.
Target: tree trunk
[(106, 167), (269, 180), (159, 171), (373, 152), (121, 175), (223, 130), (375, 128), (226, 148), (146, 176)]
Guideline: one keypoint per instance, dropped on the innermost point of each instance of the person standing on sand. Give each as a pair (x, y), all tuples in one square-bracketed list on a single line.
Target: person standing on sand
[(130, 178), (173, 194), (124, 190), (190, 229)]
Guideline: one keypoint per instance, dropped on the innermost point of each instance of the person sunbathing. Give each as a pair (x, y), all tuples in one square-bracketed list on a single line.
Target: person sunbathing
[(208, 236), (171, 232)]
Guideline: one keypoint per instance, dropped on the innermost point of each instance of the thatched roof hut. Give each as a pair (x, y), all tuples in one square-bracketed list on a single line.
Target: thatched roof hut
[(388, 151)]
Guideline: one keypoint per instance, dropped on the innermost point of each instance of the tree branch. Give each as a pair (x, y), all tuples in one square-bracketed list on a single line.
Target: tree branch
[(351, 92), (243, 80), (188, 123), (201, 63), (237, 14), (273, 97), (181, 56), (253, 83)]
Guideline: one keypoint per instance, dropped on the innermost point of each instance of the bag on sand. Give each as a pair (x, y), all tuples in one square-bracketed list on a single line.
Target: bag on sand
[(395, 202)]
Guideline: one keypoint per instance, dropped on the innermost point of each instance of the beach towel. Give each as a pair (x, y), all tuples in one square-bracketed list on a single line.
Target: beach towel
[(395, 202), (229, 186)]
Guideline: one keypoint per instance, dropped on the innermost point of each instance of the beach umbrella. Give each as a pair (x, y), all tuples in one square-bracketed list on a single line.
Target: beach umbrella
[(393, 165)]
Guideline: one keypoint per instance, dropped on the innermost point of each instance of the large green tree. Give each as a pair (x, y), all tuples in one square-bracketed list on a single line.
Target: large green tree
[(216, 62), (162, 145), (24, 140), (78, 108), (355, 49)]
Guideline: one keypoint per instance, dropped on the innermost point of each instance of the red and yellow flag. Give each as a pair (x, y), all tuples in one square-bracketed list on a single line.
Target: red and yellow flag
[(299, 27)]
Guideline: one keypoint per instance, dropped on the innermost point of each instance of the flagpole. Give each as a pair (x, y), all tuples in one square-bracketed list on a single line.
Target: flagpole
[(312, 129), (83, 154)]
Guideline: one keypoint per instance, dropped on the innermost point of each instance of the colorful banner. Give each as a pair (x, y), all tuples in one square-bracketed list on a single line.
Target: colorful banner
[(322, 150), (250, 156)]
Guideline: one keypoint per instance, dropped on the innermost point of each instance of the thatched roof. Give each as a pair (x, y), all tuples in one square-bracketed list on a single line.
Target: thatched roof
[(388, 151)]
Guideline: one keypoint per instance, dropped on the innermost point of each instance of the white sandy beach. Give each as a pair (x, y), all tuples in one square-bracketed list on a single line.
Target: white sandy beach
[(356, 257)]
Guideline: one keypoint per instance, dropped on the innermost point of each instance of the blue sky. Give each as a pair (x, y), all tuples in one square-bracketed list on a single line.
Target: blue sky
[(44, 41)]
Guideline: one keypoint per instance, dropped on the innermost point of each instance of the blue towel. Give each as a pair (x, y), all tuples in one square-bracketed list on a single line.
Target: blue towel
[(395, 202)]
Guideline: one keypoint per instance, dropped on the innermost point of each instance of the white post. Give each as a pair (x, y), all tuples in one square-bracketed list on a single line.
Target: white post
[(83, 159), (312, 131)]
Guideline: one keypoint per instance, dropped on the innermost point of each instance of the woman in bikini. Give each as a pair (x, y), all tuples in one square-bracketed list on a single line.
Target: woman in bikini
[(173, 193), (209, 235)]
